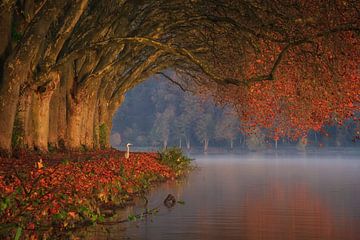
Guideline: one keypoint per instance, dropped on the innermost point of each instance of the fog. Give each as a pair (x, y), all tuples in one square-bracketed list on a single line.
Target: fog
[(270, 195)]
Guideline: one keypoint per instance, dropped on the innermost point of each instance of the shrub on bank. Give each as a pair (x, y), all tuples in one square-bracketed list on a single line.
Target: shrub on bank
[(175, 159), (39, 198)]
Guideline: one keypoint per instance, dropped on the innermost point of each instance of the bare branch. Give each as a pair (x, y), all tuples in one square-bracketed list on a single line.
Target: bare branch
[(173, 81)]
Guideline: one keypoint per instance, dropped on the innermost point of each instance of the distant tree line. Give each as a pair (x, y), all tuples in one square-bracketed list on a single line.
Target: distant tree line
[(159, 114)]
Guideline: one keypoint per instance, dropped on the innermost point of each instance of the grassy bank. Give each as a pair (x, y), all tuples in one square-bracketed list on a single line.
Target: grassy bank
[(44, 195)]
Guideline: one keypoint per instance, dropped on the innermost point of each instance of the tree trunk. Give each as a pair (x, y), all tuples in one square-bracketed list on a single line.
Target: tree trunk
[(19, 65), (5, 30), (206, 145), (41, 112), (9, 96), (165, 143), (188, 145), (40, 118), (62, 116), (73, 136), (107, 109), (22, 133), (96, 128), (104, 131), (231, 144), (88, 124), (54, 116)]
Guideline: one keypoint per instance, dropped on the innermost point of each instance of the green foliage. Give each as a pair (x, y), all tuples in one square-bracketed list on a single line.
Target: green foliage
[(181, 202), (4, 203), (18, 233), (103, 134), (175, 159), (132, 218)]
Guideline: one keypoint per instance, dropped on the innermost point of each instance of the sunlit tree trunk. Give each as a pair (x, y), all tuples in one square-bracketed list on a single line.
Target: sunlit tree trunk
[(113, 105), (54, 120), (41, 111), (24, 138), (104, 122), (73, 137), (89, 124), (96, 129), (18, 66), (62, 118), (9, 96)]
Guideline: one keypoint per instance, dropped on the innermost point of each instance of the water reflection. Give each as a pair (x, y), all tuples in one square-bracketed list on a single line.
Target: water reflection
[(295, 213), (266, 196)]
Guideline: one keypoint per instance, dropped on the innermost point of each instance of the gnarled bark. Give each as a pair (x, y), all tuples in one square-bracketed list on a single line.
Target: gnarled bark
[(18, 66), (41, 111)]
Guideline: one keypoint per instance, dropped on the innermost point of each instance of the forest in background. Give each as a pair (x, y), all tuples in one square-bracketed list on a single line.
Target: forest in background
[(159, 114)]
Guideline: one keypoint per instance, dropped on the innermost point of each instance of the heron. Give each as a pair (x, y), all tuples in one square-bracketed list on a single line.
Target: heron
[(127, 154)]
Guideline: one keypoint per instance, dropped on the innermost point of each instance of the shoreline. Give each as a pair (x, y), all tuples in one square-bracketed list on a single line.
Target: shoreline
[(43, 195)]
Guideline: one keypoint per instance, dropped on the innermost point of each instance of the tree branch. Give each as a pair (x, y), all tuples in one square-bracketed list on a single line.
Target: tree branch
[(172, 80)]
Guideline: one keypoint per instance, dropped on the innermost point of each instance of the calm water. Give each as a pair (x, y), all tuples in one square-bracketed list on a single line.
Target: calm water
[(257, 196)]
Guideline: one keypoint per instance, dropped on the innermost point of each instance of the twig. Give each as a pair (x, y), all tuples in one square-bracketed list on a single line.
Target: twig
[(137, 216)]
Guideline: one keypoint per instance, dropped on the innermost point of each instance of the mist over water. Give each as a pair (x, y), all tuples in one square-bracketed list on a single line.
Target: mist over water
[(270, 195)]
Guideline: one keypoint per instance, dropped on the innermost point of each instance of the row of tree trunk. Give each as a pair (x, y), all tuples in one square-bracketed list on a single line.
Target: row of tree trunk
[(61, 79)]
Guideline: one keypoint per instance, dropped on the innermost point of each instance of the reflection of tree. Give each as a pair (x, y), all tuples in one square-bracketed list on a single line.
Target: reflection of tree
[(292, 214)]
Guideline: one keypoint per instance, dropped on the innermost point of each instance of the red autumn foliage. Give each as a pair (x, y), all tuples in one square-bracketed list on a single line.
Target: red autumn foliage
[(316, 83), (64, 191)]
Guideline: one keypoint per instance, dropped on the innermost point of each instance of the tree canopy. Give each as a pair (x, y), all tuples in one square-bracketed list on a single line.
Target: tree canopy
[(283, 64)]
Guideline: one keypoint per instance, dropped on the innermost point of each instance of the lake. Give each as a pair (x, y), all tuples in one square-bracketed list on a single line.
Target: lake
[(271, 195)]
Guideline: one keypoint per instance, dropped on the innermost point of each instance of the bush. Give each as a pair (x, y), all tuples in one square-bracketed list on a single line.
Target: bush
[(176, 160)]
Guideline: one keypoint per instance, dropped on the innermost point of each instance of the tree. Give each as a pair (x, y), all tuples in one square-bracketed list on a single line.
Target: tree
[(161, 129), (190, 109), (227, 127), (255, 140), (81, 57), (205, 125)]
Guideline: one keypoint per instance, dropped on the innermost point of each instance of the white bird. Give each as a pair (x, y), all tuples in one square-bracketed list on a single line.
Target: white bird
[(127, 154)]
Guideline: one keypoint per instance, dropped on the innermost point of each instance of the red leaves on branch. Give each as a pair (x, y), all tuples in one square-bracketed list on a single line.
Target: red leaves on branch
[(316, 83)]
